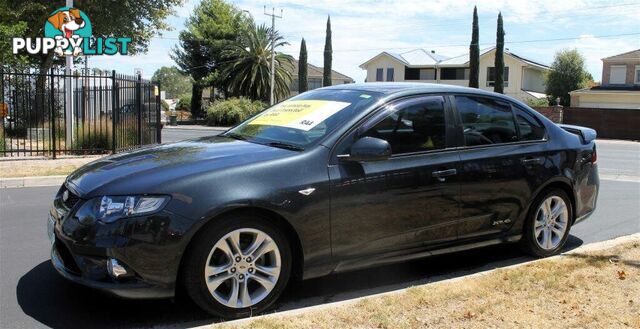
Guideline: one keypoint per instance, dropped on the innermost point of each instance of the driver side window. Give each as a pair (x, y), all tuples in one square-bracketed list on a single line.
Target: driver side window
[(414, 126)]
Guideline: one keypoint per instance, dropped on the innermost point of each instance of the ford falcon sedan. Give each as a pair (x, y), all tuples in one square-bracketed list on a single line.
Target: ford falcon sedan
[(332, 180)]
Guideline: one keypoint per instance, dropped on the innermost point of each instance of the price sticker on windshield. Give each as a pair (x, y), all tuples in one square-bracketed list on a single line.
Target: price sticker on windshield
[(301, 114)]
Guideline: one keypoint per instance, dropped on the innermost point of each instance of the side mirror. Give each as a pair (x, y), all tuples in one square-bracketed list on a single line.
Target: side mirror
[(368, 149)]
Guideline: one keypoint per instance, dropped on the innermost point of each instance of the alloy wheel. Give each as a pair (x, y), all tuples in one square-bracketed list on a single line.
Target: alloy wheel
[(551, 222), (242, 268)]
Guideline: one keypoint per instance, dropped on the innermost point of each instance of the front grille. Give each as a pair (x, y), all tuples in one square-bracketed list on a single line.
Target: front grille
[(69, 198)]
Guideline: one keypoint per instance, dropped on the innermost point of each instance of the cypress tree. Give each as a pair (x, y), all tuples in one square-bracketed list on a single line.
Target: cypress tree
[(326, 77), (302, 68), (499, 63), (474, 52)]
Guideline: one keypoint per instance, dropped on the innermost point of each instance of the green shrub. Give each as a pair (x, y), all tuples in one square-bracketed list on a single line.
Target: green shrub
[(92, 138), (184, 104), (165, 105), (537, 102), (233, 111)]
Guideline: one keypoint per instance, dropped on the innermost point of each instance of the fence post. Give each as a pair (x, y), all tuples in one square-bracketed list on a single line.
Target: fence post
[(114, 110), (139, 107), (53, 137), (159, 115)]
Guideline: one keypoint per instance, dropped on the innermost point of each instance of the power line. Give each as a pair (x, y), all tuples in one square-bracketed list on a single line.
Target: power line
[(450, 22), (484, 44)]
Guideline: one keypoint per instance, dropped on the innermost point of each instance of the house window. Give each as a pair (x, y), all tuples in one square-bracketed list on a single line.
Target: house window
[(314, 83), (379, 74), (390, 72), (491, 76), (637, 75), (618, 74), (419, 74), (454, 73)]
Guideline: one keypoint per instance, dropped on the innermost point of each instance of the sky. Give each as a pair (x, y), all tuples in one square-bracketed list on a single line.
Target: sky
[(535, 29)]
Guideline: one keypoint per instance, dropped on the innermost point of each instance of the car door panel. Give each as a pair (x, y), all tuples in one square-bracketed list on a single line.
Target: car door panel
[(398, 203), (499, 169)]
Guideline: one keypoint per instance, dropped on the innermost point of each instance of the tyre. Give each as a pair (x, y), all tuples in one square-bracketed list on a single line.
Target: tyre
[(237, 266), (548, 223)]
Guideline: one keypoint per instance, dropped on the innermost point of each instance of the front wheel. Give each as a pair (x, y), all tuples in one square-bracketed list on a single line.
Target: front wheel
[(237, 267), (548, 224)]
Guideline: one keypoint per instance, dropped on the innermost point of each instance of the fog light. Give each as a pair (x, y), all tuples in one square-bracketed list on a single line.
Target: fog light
[(115, 269)]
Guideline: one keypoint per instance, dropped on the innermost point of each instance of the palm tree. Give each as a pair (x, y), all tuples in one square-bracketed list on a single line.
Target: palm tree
[(247, 65)]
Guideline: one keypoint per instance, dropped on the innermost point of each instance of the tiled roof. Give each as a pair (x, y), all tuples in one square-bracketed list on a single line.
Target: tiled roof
[(421, 57), (316, 71)]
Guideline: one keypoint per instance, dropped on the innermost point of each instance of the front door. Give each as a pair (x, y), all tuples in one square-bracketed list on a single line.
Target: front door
[(407, 201)]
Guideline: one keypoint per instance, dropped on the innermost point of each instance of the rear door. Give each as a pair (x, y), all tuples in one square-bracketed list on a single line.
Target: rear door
[(406, 201), (502, 160)]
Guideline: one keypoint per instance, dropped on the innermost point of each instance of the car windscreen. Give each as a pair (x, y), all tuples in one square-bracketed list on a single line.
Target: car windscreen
[(301, 121)]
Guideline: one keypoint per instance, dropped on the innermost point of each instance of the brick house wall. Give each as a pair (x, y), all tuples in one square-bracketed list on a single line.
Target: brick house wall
[(631, 71)]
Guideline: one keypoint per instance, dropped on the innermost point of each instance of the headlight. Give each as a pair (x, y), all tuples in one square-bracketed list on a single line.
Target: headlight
[(108, 209)]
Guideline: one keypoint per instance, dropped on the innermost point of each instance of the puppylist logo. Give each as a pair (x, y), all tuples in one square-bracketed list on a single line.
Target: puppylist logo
[(68, 32)]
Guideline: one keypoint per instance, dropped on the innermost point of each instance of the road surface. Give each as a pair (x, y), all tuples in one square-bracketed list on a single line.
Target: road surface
[(32, 295)]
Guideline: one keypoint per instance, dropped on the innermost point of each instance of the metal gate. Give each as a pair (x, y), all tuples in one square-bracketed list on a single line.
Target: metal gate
[(76, 114)]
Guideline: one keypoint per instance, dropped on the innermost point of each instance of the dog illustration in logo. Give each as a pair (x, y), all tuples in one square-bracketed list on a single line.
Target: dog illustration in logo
[(67, 22)]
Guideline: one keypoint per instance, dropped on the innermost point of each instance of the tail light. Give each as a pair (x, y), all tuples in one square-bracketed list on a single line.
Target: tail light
[(594, 156)]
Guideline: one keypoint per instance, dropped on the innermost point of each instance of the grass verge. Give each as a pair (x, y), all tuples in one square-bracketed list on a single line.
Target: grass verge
[(590, 289), (29, 168)]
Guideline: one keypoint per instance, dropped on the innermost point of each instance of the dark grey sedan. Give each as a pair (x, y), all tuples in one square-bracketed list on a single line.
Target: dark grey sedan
[(332, 180)]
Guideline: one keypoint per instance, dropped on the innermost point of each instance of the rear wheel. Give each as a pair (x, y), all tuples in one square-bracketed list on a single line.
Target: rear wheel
[(238, 266), (548, 224)]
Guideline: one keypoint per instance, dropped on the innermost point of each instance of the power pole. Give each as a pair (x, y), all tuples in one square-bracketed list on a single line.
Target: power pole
[(273, 40), (68, 118)]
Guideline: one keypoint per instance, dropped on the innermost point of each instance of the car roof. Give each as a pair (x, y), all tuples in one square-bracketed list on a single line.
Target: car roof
[(405, 88)]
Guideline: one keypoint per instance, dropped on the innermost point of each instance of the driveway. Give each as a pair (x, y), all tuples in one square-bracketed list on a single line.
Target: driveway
[(33, 295)]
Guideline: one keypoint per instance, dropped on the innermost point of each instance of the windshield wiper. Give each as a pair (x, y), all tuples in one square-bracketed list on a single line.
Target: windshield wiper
[(285, 146)]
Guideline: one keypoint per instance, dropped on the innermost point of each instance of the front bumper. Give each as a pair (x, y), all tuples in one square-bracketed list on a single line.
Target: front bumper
[(149, 247), (131, 288)]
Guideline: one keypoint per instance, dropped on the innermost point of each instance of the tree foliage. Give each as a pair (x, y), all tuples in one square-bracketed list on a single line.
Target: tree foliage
[(214, 26), (567, 73), (499, 60), (328, 56), (138, 19), (172, 81), (302, 68), (474, 52), (246, 71)]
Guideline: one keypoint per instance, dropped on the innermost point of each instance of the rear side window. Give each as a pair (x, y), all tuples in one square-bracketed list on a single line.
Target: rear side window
[(529, 127), (486, 121), (415, 126)]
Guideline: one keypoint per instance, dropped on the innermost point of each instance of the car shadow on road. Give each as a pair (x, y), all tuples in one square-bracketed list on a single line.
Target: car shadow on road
[(48, 298)]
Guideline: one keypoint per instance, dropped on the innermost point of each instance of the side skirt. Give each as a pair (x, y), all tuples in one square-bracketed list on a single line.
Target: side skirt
[(417, 253)]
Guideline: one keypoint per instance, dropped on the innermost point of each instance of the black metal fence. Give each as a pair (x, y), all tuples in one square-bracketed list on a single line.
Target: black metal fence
[(78, 113)]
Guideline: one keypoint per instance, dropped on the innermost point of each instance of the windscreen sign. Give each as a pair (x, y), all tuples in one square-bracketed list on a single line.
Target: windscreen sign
[(302, 114), (68, 32)]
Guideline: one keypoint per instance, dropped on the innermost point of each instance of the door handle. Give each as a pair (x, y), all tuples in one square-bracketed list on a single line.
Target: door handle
[(440, 175), (532, 161)]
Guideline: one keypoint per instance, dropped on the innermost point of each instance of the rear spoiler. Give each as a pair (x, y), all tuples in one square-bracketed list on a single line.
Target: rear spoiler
[(586, 134)]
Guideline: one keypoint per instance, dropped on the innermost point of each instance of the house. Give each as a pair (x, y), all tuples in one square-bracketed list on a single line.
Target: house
[(314, 78), (523, 77), (620, 86)]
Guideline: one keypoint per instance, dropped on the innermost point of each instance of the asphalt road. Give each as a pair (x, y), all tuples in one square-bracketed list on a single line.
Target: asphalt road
[(170, 135), (33, 295)]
